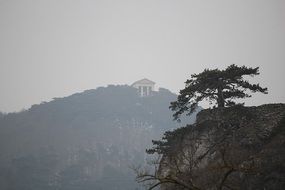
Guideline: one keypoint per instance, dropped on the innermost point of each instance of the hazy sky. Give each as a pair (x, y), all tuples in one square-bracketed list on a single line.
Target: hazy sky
[(54, 48)]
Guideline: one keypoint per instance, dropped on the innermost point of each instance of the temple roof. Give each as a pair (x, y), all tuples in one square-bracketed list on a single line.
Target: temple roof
[(143, 81)]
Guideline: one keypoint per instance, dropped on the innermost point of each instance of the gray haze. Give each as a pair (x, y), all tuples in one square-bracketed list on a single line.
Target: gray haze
[(53, 48)]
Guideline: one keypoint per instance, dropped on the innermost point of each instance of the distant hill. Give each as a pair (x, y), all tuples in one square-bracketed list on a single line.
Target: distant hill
[(84, 141)]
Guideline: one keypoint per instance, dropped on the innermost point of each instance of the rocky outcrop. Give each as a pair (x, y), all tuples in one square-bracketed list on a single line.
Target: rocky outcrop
[(228, 148)]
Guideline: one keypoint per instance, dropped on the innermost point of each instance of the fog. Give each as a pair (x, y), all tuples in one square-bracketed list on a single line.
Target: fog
[(66, 67), (54, 48)]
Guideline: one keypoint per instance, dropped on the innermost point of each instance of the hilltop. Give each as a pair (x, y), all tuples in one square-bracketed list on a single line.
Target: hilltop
[(84, 140)]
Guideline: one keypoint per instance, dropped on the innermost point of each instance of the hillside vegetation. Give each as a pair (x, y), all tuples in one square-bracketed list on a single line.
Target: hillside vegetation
[(86, 141)]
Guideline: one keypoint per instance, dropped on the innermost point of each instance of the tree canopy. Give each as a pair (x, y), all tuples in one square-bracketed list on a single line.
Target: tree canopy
[(219, 87)]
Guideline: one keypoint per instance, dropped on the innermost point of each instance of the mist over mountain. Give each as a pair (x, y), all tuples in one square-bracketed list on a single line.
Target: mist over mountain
[(88, 140)]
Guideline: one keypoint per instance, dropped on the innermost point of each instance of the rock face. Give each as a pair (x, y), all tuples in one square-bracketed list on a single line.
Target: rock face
[(228, 148)]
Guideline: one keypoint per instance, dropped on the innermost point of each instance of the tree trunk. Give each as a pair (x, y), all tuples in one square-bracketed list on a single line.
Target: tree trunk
[(221, 101)]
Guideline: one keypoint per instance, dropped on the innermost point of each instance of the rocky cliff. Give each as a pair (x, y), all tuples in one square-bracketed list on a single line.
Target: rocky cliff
[(229, 148)]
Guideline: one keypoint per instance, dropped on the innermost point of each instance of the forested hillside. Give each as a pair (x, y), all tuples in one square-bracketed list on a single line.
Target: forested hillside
[(86, 141)]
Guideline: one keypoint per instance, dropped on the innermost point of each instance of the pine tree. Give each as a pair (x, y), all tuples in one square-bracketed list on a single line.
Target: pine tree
[(220, 87)]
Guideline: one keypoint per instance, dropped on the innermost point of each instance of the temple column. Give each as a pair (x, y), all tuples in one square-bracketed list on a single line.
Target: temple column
[(147, 91), (141, 91)]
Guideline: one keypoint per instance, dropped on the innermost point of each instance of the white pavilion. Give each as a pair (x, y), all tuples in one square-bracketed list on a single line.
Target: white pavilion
[(145, 87)]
